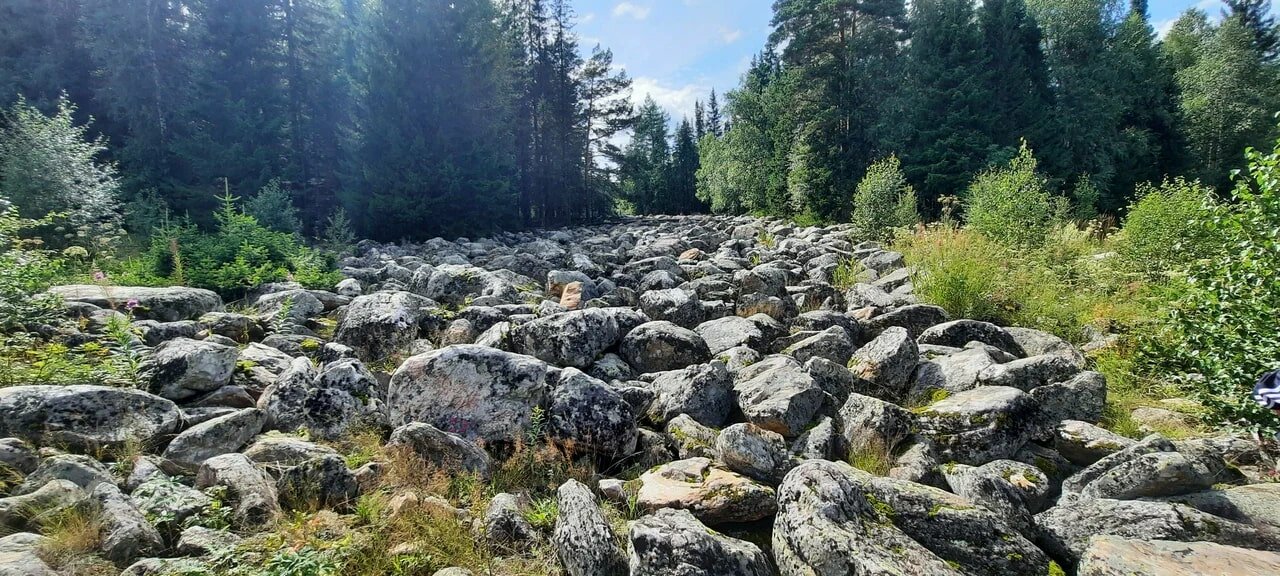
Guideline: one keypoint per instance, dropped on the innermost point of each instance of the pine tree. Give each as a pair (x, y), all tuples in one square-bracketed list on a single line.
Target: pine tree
[(699, 120), (715, 122), (1016, 75), (845, 58), (684, 171), (949, 110), (607, 111), (436, 154), (644, 163), (1256, 17)]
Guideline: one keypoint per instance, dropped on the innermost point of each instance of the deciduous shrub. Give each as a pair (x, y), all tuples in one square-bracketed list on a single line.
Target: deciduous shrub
[(1223, 331), (239, 255), (1012, 204), (25, 272), (1165, 230), (883, 201)]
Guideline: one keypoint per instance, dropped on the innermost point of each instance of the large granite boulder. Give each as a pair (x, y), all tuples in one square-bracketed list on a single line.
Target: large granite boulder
[(473, 391), (380, 324), (673, 542), (182, 368), (574, 338), (86, 418), (163, 304)]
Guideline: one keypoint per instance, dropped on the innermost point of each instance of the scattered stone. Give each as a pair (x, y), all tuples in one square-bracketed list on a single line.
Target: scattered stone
[(583, 540), (714, 495), (674, 542)]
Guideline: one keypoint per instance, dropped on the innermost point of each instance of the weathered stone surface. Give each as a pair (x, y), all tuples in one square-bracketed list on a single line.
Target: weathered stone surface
[(731, 331), (662, 346), (200, 541), (85, 418), (1083, 397), (703, 392), (957, 333), (217, 436), (674, 542), (279, 451), (871, 424), (980, 425), (586, 415), (675, 305), (251, 491), (126, 533), (322, 482), (1065, 529), (584, 542), (163, 304), (886, 363), (26, 510), (504, 523), (169, 502), (377, 325), (1030, 373), (20, 555), (1254, 504), (574, 338), (84, 471), (691, 439), (777, 394), (443, 450), (754, 452), (182, 368), (714, 495), (1112, 556), (1083, 443), (833, 344), (474, 391), (915, 318)]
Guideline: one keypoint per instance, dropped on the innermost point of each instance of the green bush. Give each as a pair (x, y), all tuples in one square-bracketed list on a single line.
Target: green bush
[(239, 255), (25, 272), (1165, 232), (883, 201), (1223, 331), (273, 207), (1012, 204), (51, 172)]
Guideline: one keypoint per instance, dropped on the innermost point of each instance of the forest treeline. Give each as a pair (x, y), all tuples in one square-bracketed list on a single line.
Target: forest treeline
[(420, 117), (954, 87), (460, 117)]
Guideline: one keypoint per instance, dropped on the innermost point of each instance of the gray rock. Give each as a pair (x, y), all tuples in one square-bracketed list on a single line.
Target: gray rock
[(915, 318), (575, 338), (26, 510), (754, 452), (584, 542), (278, 451), (1155, 474), (85, 418), (441, 449), (474, 391), (980, 425), (163, 304), (251, 491), (662, 346), (777, 394), (729, 332), (1255, 504), (957, 333), (675, 305), (673, 542), (611, 367), (586, 415), (1083, 443), (323, 482), (83, 471), (126, 534), (703, 392), (691, 439), (20, 555), (218, 436), (712, 493), (950, 373), (1065, 530), (871, 424), (1083, 397), (886, 363), (18, 455), (820, 442), (288, 307), (378, 325), (1030, 373), (504, 522), (833, 344), (1112, 556), (168, 502), (183, 368)]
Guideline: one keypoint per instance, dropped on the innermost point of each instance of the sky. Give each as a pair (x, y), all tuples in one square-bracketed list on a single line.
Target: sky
[(678, 50)]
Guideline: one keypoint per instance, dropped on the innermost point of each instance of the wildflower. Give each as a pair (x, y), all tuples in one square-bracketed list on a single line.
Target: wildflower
[(131, 304), (99, 276)]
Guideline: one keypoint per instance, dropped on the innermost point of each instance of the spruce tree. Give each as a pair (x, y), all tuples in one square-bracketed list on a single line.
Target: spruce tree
[(715, 122), (1256, 17)]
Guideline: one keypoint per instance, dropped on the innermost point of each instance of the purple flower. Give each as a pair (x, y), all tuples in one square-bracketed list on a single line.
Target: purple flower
[(99, 276), (131, 304)]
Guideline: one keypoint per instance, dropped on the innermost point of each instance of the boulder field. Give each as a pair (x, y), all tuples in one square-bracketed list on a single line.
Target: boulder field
[(758, 417)]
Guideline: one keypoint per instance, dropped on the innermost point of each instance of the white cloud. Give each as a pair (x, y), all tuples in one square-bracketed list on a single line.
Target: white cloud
[(632, 10), (678, 101), (587, 18), (730, 36), (1163, 27)]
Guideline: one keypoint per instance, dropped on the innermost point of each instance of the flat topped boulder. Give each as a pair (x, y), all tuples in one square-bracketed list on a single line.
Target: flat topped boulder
[(714, 495), (85, 418), (162, 304), (1113, 556), (473, 391)]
